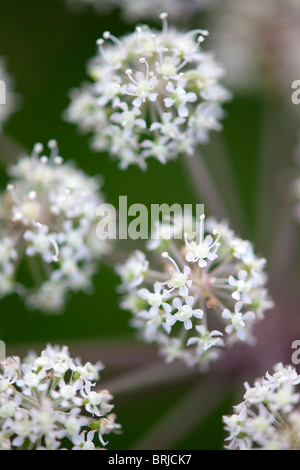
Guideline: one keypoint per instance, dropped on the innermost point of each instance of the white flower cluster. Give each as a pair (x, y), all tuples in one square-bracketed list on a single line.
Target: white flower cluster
[(48, 221), (134, 10), (48, 402), (10, 97), (256, 40), (198, 293), (153, 94), (269, 416)]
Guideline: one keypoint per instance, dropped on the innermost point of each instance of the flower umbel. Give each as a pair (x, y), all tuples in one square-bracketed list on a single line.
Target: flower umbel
[(197, 293), (152, 94), (269, 416), (48, 219), (47, 399)]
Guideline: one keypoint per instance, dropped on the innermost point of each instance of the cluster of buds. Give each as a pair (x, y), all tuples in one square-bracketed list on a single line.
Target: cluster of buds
[(269, 416), (201, 291), (48, 222), (152, 94), (47, 402)]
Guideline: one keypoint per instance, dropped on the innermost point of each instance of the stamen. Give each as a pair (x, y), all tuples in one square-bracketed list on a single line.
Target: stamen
[(138, 31), (144, 61), (52, 145), (202, 32), (11, 189), (44, 160), (215, 232), (56, 249), (186, 241), (114, 39), (129, 74), (166, 255), (201, 232), (164, 17), (100, 43), (37, 150), (154, 41)]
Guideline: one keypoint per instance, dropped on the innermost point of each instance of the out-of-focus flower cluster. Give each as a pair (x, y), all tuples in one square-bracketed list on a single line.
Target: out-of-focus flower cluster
[(6, 94), (198, 291), (256, 42), (48, 402), (153, 94), (269, 416), (134, 10), (48, 224)]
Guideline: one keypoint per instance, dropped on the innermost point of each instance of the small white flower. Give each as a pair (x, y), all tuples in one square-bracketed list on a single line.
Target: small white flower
[(155, 299), (180, 97), (133, 271), (184, 312), (202, 249), (238, 321), (242, 287)]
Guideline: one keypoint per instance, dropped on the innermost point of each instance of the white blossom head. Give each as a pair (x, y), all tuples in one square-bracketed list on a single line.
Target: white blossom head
[(152, 94), (47, 223), (193, 295), (8, 98), (269, 416), (48, 402)]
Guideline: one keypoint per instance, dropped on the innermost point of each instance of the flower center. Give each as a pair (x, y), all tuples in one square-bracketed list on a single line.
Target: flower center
[(178, 280), (184, 313), (143, 88), (155, 300), (201, 250)]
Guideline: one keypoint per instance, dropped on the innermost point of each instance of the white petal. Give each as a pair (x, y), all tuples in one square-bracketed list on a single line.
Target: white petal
[(242, 275), (170, 87), (236, 295), (169, 102), (198, 313), (177, 303), (227, 314), (188, 324), (143, 293), (183, 111), (190, 301), (202, 263)]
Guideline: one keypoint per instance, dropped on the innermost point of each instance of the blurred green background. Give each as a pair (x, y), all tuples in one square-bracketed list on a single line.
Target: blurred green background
[(47, 48)]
